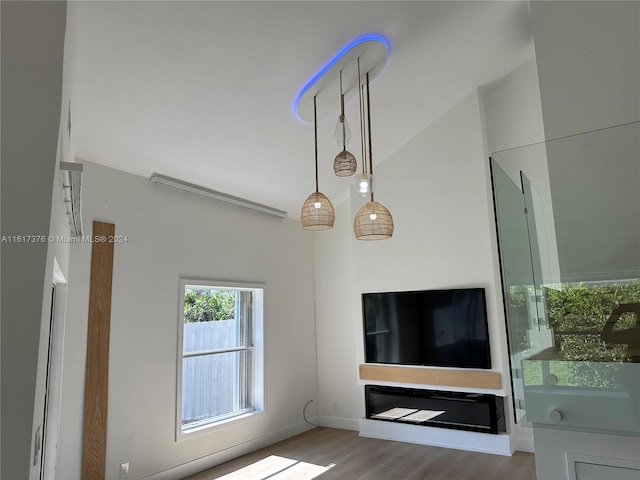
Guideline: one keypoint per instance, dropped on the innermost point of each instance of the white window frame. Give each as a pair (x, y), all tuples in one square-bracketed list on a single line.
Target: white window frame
[(257, 366)]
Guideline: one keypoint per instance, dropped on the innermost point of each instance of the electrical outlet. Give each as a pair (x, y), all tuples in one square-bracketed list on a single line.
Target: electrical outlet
[(124, 470), (336, 407)]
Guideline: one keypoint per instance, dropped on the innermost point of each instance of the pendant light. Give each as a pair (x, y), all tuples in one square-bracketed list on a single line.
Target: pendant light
[(363, 184), (345, 163), (373, 221), (317, 212)]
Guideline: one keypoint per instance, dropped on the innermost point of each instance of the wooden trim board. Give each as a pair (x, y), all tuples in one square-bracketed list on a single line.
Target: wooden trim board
[(94, 430), (425, 376)]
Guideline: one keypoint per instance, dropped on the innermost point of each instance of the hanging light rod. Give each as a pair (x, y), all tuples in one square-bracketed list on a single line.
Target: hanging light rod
[(223, 197), (371, 49)]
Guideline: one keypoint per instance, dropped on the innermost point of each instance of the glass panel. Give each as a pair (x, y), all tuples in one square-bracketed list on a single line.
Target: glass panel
[(582, 197), (244, 309), (586, 396), (538, 246), (214, 386), (210, 320), (594, 180), (517, 276), (514, 250)]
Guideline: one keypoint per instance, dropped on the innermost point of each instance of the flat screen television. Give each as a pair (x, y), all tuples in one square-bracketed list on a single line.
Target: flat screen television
[(443, 328)]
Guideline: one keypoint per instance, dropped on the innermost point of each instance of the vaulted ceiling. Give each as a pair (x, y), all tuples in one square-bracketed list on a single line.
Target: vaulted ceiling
[(203, 91)]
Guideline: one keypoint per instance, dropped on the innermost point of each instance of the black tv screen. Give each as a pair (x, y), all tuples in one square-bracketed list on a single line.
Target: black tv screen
[(443, 328)]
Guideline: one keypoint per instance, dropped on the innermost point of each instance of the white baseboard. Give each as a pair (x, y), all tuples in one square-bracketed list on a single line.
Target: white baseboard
[(336, 422), (200, 464), (437, 437), (524, 438), (525, 445)]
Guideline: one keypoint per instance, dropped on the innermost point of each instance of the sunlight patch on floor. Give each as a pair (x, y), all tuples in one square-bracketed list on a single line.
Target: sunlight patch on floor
[(277, 468)]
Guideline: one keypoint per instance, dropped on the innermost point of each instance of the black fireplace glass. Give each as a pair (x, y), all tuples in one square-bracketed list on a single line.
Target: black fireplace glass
[(476, 412)]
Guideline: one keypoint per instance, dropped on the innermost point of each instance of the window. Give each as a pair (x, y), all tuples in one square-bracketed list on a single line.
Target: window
[(220, 354)]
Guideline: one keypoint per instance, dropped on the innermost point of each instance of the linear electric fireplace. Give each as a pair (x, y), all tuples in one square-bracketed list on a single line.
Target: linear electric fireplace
[(476, 412)]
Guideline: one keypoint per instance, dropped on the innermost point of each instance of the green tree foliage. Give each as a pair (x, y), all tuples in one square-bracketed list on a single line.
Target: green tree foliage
[(577, 314), (208, 305), (582, 308), (519, 317)]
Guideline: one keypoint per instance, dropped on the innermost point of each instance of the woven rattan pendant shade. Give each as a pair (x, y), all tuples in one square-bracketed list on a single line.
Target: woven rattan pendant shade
[(317, 212), (345, 164), (373, 222)]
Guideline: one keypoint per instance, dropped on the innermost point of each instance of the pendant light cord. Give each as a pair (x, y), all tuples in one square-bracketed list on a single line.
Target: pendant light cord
[(369, 132), (361, 108), (342, 118), (315, 132)]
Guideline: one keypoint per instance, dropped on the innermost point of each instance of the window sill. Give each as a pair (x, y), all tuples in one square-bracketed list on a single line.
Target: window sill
[(207, 428)]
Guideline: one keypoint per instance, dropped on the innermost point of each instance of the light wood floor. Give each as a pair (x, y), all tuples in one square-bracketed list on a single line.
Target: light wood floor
[(351, 457)]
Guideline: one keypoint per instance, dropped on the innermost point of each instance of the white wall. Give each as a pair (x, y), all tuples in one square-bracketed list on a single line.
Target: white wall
[(512, 109), (596, 199), (587, 54), (437, 188), (173, 234), (32, 57), (341, 400), (512, 114)]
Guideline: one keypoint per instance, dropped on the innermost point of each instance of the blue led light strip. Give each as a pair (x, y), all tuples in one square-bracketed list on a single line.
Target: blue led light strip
[(335, 59)]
